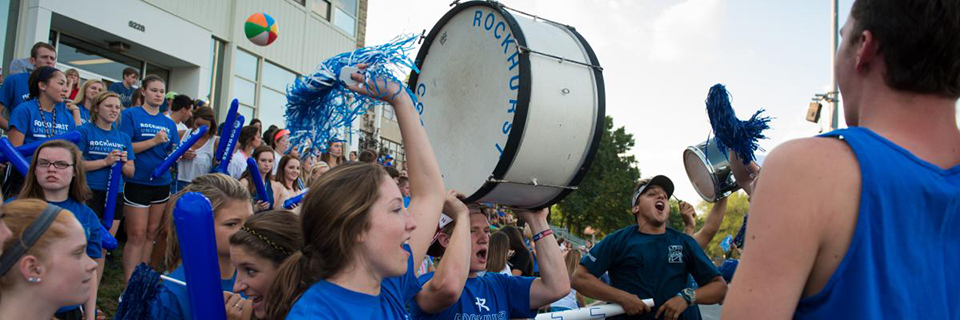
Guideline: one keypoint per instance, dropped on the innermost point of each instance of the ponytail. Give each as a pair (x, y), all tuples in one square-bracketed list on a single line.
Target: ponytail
[(293, 278)]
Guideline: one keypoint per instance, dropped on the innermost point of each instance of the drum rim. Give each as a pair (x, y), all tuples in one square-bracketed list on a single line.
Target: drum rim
[(599, 126), (523, 93), (713, 173), (515, 137)]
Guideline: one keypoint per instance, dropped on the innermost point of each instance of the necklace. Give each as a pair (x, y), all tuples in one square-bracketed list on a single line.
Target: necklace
[(47, 125)]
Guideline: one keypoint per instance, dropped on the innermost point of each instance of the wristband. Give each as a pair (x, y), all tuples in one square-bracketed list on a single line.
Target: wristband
[(542, 234)]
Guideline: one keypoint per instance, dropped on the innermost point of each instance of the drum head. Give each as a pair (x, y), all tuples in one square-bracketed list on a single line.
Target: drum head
[(700, 174), (467, 104)]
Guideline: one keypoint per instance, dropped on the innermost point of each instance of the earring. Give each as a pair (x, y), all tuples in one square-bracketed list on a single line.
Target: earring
[(32, 279)]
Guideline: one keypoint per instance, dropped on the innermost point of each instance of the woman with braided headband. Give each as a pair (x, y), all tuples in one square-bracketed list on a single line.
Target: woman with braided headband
[(257, 251), (44, 266)]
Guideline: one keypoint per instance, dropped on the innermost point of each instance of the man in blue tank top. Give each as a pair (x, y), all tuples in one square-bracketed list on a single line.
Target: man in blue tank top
[(650, 261), (864, 222)]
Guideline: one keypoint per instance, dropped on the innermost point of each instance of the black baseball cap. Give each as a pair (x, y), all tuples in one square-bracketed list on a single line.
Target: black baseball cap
[(659, 180)]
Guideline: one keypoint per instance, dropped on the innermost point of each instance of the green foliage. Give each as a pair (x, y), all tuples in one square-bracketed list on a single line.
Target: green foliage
[(676, 220), (603, 198), (737, 206)]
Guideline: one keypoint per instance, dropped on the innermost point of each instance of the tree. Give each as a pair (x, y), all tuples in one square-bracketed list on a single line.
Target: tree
[(737, 206), (603, 198)]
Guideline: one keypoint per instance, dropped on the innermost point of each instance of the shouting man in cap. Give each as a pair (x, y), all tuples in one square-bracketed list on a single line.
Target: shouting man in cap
[(649, 260), (493, 295)]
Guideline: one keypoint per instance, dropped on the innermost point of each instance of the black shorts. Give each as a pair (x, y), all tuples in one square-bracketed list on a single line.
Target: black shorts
[(142, 196), (98, 202)]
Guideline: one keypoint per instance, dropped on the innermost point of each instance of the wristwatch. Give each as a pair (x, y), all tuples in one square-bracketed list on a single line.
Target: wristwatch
[(689, 295)]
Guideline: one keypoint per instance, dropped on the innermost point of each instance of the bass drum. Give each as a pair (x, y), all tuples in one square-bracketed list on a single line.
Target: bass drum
[(513, 106)]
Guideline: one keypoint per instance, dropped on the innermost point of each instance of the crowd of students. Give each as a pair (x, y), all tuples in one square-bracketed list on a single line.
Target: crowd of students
[(818, 245)]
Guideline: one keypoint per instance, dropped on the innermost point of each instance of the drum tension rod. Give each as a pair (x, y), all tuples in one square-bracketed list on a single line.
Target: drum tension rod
[(533, 182), (560, 59)]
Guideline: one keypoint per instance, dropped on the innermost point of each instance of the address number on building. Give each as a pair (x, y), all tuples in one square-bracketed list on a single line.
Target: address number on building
[(137, 26)]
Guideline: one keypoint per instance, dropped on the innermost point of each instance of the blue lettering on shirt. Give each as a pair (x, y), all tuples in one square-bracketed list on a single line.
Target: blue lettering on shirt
[(96, 144), (35, 124), (142, 126)]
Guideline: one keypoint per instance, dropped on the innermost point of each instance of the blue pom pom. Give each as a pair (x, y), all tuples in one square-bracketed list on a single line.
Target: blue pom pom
[(319, 104), (732, 133)]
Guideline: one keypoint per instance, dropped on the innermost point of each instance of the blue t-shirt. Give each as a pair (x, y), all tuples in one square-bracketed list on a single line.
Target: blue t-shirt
[(172, 301), (38, 125), (84, 114), (651, 265), (15, 91), (125, 93), (141, 126), (904, 256), (96, 144), (490, 296), (91, 225), (325, 300)]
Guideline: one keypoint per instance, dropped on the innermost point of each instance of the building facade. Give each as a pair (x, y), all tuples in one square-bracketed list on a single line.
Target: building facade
[(198, 46)]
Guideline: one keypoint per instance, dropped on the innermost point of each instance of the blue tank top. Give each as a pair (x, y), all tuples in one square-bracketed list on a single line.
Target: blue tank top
[(904, 258)]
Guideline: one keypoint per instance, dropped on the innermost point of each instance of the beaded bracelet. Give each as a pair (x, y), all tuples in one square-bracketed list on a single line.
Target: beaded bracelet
[(542, 234)]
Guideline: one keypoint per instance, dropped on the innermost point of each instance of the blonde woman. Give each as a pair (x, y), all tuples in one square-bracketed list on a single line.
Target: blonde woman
[(85, 100)]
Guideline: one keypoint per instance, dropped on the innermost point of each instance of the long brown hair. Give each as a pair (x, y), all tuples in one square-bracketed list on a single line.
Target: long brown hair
[(282, 171), (497, 252), (206, 113), (216, 187), (518, 247), (334, 212), (272, 235), (82, 94), (79, 191), (18, 215), (327, 157), (268, 175), (572, 260)]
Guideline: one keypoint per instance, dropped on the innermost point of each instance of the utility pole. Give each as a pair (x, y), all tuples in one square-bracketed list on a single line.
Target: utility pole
[(834, 95)]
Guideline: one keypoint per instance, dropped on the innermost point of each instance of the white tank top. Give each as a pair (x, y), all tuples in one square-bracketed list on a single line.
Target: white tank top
[(187, 170)]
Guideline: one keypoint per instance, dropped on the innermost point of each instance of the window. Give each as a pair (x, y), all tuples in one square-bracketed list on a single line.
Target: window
[(322, 8), (246, 65), (245, 91), (273, 97), (158, 71), (276, 77), (246, 69), (97, 60), (216, 69), (394, 149), (345, 16), (273, 106), (388, 112)]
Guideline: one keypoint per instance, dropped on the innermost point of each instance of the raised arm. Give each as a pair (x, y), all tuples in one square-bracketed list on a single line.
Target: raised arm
[(553, 282), (808, 195), (426, 185), (712, 226), (444, 289)]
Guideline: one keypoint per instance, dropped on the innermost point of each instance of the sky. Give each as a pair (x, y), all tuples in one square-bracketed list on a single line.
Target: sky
[(660, 57)]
